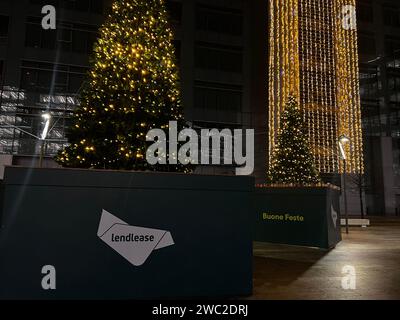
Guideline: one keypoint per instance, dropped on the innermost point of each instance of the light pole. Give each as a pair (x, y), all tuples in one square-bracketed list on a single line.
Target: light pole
[(47, 118), (342, 141)]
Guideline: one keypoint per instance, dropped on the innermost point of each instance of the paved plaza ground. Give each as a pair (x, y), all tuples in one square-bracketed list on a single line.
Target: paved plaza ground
[(288, 272)]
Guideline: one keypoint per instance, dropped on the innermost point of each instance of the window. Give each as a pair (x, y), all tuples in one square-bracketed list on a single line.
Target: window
[(175, 11), (97, 6), (365, 12), (394, 83), (391, 16), (48, 39), (64, 36), (221, 58), (73, 37), (392, 45), (393, 74), (94, 6), (210, 96), (64, 33), (366, 43), (369, 82), (81, 5), (40, 76), (219, 21), (4, 21)]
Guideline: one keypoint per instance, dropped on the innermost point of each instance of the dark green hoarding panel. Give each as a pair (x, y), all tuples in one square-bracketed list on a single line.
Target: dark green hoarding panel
[(297, 216), (123, 235)]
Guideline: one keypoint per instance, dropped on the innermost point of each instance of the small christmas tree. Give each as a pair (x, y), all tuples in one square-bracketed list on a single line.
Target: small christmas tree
[(132, 88), (292, 162)]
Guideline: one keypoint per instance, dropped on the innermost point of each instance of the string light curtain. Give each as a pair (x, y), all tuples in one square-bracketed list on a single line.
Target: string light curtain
[(314, 58)]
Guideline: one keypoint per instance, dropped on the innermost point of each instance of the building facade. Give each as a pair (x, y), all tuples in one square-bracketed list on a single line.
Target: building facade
[(379, 44), (221, 58), (222, 48)]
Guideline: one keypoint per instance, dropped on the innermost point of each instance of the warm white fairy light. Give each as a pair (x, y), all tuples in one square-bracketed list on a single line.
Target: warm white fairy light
[(315, 59)]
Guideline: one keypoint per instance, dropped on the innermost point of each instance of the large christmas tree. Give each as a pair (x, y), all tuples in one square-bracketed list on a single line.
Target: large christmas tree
[(132, 87), (292, 162)]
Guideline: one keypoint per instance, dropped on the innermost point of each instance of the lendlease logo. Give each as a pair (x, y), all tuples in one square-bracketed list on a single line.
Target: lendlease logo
[(135, 244), (204, 149), (334, 216)]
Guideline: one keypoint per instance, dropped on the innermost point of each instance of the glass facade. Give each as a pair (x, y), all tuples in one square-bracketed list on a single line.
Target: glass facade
[(379, 48), (21, 122)]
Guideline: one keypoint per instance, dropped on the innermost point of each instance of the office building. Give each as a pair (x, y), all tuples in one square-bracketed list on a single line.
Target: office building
[(379, 46)]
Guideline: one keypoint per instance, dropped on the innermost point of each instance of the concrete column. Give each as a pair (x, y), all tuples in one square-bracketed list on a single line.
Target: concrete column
[(388, 176)]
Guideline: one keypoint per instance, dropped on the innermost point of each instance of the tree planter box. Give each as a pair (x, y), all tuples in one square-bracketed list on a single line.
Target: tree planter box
[(298, 216), (124, 235)]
